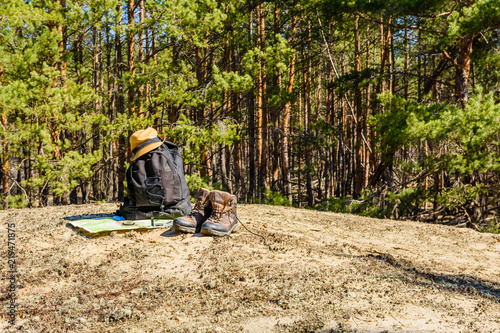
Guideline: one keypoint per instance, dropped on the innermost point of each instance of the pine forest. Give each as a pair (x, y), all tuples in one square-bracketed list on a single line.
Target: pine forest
[(387, 108)]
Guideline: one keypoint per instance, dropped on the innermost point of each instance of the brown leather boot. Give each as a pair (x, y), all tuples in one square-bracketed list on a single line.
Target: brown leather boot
[(223, 219), (200, 213)]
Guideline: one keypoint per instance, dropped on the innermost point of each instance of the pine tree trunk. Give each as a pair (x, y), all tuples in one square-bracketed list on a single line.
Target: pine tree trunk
[(238, 184), (251, 126), (285, 158), (384, 56), (407, 60), (331, 121), (258, 106), (359, 172), (131, 55), (419, 70), (262, 109), (307, 120), (62, 43), (222, 165), (121, 149), (462, 69), (276, 115), (406, 84), (366, 114), (141, 53), (108, 153), (155, 88), (317, 154), (4, 156), (200, 70), (54, 127), (96, 83)]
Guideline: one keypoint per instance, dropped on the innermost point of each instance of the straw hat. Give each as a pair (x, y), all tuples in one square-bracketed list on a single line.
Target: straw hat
[(143, 141)]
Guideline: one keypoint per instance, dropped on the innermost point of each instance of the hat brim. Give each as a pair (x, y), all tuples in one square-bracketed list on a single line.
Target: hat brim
[(146, 150)]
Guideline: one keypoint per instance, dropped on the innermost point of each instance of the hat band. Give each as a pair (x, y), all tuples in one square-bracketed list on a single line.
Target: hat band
[(150, 141)]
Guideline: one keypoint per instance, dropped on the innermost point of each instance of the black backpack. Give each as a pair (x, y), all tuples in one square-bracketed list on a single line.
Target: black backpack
[(156, 186)]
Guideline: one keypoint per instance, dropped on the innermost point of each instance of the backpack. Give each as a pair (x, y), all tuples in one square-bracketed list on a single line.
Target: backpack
[(156, 186)]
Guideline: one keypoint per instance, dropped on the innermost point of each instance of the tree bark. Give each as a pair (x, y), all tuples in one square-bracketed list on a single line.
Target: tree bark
[(359, 172), (260, 105), (276, 113), (285, 158), (462, 68), (131, 55), (121, 148), (5, 156), (251, 125), (307, 120), (141, 52)]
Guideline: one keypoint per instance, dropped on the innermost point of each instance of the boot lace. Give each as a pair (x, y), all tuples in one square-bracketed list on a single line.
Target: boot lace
[(217, 214), (196, 209)]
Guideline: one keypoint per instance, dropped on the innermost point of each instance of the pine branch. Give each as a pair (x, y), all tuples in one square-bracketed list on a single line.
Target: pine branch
[(453, 61)]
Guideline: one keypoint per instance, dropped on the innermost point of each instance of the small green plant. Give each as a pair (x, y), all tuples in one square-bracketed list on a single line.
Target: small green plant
[(373, 205), (275, 199), (218, 186), (336, 205), (271, 198), (493, 227), (194, 182), (461, 195), (17, 201)]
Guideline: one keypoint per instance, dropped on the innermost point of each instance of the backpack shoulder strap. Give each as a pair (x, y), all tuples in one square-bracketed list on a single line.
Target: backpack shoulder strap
[(171, 146)]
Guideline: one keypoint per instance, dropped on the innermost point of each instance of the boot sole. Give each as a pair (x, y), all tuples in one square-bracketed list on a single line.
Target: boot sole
[(182, 228), (207, 231)]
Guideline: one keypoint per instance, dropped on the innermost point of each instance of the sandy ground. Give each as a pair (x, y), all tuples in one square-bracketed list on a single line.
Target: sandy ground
[(309, 271)]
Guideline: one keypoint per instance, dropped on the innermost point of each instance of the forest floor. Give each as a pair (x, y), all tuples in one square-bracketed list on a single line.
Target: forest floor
[(309, 272)]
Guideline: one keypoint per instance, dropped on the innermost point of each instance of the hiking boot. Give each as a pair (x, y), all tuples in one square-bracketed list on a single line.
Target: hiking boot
[(223, 219), (200, 213)]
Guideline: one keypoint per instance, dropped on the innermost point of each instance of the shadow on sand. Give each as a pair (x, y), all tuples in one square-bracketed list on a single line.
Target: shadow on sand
[(462, 284)]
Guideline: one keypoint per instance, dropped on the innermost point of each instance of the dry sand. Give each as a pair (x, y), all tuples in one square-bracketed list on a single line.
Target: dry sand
[(309, 271)]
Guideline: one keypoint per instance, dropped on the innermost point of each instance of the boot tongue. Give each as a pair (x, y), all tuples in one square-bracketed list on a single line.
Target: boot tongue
[(219, 200), (200, 200), (201, 196)]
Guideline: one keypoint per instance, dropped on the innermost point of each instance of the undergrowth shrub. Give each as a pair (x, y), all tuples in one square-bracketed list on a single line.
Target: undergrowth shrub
[(381, 205), (17, 201), (492, 227), (271, 198)]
